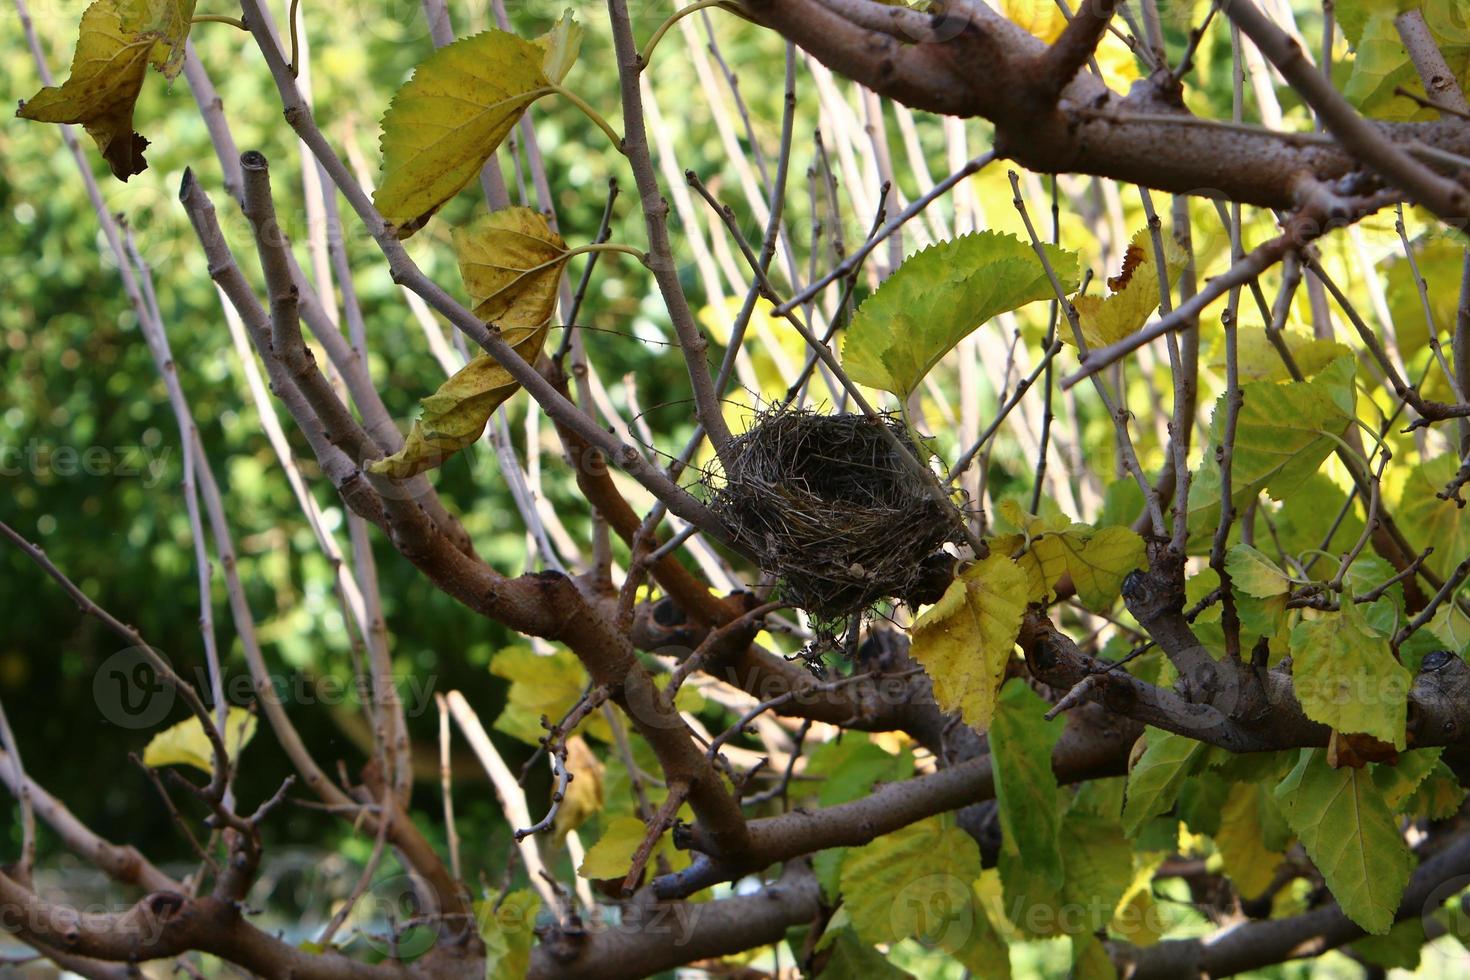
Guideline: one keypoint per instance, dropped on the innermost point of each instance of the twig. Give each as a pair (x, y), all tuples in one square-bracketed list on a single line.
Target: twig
[(657, 824)]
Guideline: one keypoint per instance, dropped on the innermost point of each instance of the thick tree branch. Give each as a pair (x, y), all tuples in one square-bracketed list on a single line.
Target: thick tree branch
[(1088, 750)]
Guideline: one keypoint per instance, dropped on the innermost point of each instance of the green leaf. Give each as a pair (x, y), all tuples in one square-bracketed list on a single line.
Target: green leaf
[(853, 959), (1097, 559), (186, 744), (1351, 836), (1134, 293), (1380, 66), (937, 297), (966, 638), (447, 120), (1255, 574), (116, 42), (508, 933), (1427, 520), (1283, 433), (1438, 797), (1021, 744), (847, 769), (542, 686), (1258, 360), (612, 856), (1346, 676), (1090, 959), (1399, 950), (1155, 779), (915, 882)]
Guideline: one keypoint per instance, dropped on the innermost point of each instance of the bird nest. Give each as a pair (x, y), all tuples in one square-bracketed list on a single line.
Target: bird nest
[(828, 505)]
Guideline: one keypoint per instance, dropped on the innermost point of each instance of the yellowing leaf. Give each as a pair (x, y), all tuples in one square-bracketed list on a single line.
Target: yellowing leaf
[(937, 297), (168, 22), (1258, 359), (1255, 574), (584, 792), (448, 119), (612, 855), (1346, 676), (1351, 836), (1045, 20), (965, 639), (1242, 842), (539, 686), (560, 45), (1134, 293), (117, 41), (186, 744), (511, 263), (1097, 560), (912, 882), (454, 416)]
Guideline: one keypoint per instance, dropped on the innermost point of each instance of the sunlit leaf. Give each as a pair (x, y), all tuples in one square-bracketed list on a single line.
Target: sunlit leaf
[(937, 297), (1133, 293), (1096, 559), (1428, 520), (542, 685), (1255, 574), (116, 42), (186, 744), (1346, 676), (1351, 836), (460, 104), (1283, 433), (511, 263), (966, 638)]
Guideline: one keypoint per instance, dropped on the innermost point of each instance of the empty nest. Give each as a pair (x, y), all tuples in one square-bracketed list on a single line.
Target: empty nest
[(828, 505)]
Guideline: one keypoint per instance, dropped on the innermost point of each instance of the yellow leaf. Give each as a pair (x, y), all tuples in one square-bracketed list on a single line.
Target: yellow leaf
[(456, 414), (1134, 293), (584, 792), (186, 743), (560, 45), (115, 44), (542, 685), (448, 119), (965, 639), (511, 263), (1241, 842), (1097, 559)]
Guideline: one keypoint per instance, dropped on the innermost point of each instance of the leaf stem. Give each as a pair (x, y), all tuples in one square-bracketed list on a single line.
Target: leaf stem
[(235, 22), (674, 18), (638, 254), (589, 112)]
